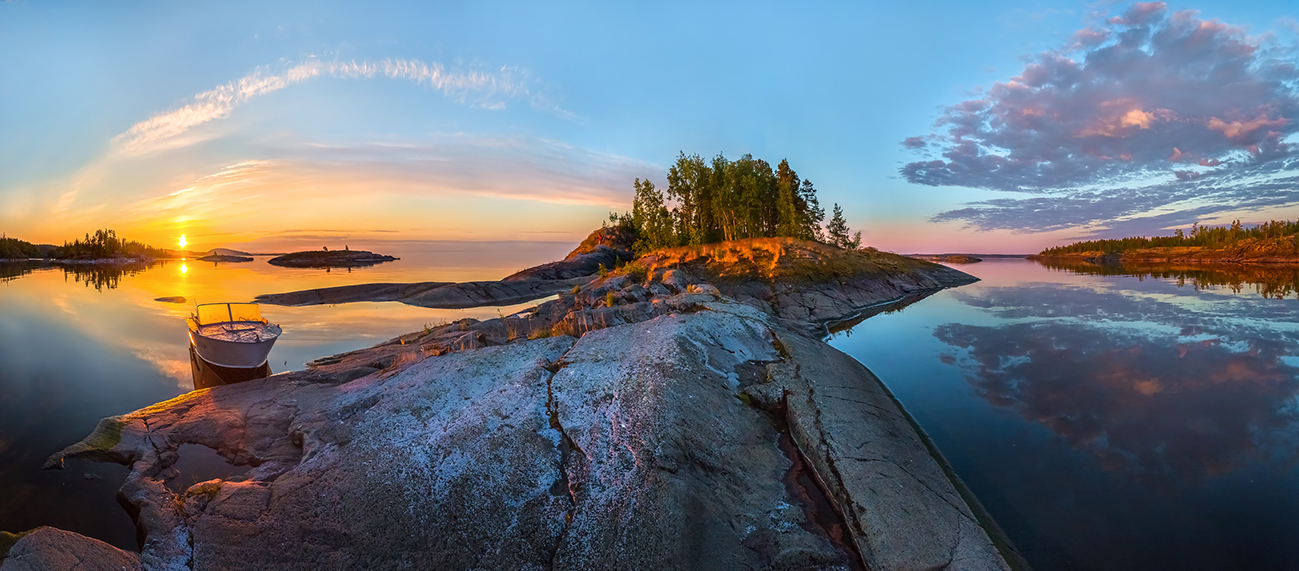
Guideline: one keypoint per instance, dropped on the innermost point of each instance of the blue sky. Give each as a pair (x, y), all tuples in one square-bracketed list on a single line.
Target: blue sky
[(238, 122)]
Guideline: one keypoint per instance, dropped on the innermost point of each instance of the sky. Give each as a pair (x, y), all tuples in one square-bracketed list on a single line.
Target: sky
[(997, 127)]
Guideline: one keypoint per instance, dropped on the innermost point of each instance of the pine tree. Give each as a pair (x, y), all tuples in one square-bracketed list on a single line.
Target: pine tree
[(837, 231)]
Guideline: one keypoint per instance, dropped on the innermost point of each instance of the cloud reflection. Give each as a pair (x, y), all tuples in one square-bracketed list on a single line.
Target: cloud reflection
[(1167, 394)]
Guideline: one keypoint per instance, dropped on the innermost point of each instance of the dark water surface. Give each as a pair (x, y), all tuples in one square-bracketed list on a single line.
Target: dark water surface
[(1111, 418), (1139, 418), (80, 344)]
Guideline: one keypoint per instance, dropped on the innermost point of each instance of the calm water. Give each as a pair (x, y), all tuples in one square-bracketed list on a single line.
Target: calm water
[(1139, 421), (75, 347), (1142, 420)]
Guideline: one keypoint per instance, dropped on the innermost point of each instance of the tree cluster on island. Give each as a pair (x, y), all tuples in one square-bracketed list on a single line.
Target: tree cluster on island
[(1208, 237), (722, 200), (104, 243)]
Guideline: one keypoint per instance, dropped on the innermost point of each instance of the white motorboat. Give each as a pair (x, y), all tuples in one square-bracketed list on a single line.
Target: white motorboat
[(232, 334)]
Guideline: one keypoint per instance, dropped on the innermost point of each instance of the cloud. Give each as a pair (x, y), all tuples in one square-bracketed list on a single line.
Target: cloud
[(483, 89), (1125, 104), (413, 186)]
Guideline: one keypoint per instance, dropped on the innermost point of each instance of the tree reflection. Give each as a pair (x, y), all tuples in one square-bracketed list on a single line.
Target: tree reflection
[(103, 276), (10, 271), (1275, 281)]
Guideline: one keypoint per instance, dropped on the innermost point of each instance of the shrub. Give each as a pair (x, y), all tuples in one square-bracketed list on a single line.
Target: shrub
[(636, 271)]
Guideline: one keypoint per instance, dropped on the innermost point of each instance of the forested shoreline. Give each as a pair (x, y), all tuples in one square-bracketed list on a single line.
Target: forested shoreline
[(103, 244), (1206, 237)]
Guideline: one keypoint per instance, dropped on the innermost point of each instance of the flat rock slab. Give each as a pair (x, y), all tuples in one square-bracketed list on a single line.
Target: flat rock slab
[(49, 549), (905, 511), (652, 441), (444, 295), (669, 469)]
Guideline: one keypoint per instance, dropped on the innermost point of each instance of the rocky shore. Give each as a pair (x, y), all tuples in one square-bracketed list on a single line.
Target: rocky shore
[(950, 258), (678, 412)]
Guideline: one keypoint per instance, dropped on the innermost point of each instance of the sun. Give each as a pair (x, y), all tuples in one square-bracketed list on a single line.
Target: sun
[(183, 241)]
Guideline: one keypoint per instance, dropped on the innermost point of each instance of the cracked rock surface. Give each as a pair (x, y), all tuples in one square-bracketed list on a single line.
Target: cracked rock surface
[(652, 423), (47, 548)]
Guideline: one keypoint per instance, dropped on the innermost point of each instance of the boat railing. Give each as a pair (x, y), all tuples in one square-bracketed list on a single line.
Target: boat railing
[(212, 313)]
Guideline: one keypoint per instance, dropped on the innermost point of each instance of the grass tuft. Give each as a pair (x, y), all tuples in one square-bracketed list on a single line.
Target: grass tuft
[(777, 260)]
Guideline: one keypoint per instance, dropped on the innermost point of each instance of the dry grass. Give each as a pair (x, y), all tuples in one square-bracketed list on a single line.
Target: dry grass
[(778, 260)]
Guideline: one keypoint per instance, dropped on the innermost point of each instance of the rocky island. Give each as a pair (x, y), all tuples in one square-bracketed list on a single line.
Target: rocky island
[(949, 258), (678, 411), (330, 259), (225, 258)]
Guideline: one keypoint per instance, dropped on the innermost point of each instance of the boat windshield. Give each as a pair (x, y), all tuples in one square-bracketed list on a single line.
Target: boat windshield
[(209, 313)]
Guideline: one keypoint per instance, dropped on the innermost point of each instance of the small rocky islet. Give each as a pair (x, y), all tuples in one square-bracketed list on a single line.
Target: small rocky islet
[(330, 259), (660, 413), (225, 258)]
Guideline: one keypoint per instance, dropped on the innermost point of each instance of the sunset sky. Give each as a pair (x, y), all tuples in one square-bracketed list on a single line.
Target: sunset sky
[(939, 126)]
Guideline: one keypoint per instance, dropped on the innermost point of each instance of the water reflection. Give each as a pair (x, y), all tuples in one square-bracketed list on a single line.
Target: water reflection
[(13, 270), (1275, 281), (83, 342), (1111, 417), (1165, 408), (105, 276)]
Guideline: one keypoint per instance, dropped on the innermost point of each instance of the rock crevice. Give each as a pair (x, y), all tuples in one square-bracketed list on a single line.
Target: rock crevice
[(636, 421)]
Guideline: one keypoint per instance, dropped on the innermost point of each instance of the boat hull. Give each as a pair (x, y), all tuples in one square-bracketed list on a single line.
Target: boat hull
[(208, 375), (241, 355)]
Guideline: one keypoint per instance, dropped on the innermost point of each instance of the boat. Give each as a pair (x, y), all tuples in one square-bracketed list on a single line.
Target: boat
[(232, 335)]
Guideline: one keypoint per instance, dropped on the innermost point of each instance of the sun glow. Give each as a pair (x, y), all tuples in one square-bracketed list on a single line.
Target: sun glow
[(183, 269), (183, 241)]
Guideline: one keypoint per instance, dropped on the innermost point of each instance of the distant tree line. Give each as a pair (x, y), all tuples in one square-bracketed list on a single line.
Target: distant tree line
[(105, 244), (1211, 237), (13, 248), (718, 200)]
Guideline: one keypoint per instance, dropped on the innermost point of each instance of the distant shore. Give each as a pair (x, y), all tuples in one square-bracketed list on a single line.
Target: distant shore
[(1184, 255)]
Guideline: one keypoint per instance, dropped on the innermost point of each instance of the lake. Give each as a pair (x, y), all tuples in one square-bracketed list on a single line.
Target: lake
[(80, 344), (1137, 418)]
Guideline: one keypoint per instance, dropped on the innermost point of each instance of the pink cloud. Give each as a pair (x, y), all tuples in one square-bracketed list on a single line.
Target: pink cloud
[(1140, 13), (1089, 38), (1238, 129), (1111, 103)]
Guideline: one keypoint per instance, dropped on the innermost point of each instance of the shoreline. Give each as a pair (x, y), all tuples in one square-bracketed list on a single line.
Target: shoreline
[(604, 325)]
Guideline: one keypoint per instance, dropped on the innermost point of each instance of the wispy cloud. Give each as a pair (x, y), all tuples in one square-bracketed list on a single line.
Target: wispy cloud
[(495, 186), (1140, 98), (485, 89)]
